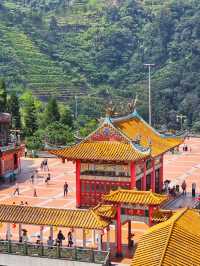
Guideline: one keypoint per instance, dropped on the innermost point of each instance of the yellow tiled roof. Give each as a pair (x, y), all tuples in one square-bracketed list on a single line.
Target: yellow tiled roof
[(161, 215), (135, 126), (87, 219), (106, 211), (175, 242), (101, 150), (135, 197)]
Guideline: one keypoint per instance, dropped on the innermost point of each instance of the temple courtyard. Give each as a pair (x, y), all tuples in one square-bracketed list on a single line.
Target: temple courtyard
[(177, 167)]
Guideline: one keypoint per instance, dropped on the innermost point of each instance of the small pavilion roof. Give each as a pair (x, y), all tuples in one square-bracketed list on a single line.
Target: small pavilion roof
[(133, 126), (135, 197), (175, 242), (106, 211), (87, 219), (102, 150)]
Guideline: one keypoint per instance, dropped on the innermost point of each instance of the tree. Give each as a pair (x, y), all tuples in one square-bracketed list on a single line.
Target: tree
[(14, 109), (29, 114), (52, 113), (58, 134), (3, 96), (66, 117)]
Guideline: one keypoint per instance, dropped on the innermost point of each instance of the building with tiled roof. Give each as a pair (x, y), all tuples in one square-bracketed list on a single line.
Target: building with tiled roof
[(175, 242), (85, 219), (123, 153)]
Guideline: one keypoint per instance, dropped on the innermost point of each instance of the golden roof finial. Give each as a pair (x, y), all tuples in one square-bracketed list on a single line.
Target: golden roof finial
[(132, 104), (110, 110)]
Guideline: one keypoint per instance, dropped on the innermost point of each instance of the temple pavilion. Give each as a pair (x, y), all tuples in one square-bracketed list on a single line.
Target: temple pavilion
[(122, 153)]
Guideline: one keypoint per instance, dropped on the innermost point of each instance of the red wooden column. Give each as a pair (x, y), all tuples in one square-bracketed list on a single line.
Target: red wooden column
[(150, 215), (133, 175), (161, 174), (119, 232), (78, 183), (144, 178), (153, 176)]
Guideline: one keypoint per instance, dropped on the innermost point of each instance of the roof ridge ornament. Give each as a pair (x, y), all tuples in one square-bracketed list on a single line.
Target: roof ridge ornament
[(132, 104)]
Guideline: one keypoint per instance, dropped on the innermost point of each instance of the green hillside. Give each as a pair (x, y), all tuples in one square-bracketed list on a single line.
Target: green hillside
[(84, 47)]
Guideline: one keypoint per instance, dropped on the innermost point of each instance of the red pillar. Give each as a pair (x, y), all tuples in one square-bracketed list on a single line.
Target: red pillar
[(133, 175), (144, 178), (153, 176), (150, 215), (161, 174), (78, 183), (119, 232)]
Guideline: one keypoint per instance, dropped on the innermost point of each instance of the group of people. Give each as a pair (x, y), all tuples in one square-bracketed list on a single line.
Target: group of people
[(50, 242), (173, 191)]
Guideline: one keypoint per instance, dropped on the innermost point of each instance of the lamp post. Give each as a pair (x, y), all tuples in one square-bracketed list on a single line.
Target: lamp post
[(181, 118), (149, 66)]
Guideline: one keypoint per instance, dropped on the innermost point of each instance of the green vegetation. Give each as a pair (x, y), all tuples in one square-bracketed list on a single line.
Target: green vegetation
[(96, 50)]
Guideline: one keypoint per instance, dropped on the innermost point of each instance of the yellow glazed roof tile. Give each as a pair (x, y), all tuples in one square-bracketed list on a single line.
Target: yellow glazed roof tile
[(134, 127), (87, 219), (101, 150), (135, 197), (106, 211), (175, 242)]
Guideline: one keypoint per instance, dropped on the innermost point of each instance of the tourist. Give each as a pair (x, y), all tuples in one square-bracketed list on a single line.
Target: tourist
[(48, 179), (183, 186), (42, 166), (65, 189), (50, 241), (60, 237), (34, 192), (24, 236), (32, 179), (193, 190), (16, 189), (69, 237), (38, 241), (25, 152), (36, 174), (45, 165)]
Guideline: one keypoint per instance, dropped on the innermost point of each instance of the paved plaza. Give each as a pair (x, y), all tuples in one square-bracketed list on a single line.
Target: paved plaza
[(177, 167)]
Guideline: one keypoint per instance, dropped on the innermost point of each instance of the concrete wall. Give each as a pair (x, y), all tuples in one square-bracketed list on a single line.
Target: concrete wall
[(16, 260)]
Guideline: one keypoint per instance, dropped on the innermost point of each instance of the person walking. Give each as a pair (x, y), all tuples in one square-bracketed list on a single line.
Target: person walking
[(45, 163), (193, 190), (34, 192), (32, 179), (16, 189), (65, 189), (25, 152), (183, 186)]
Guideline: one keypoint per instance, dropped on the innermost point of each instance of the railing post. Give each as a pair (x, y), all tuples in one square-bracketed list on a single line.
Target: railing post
[(93, 256), (58, 251), (25, 249), (9, 246)]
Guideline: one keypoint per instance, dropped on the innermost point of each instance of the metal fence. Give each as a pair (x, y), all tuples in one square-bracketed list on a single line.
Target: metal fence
[(56, 252)]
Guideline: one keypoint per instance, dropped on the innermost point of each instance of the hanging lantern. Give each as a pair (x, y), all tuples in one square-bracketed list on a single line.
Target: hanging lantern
[(14, 226)]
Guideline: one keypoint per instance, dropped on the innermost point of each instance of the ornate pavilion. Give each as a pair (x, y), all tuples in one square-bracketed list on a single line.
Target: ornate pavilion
[(122, 153), (10, 147)]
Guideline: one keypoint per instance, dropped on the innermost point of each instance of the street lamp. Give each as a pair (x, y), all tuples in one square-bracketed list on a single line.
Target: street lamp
[(181, 118), (149, 66), (76, 106)]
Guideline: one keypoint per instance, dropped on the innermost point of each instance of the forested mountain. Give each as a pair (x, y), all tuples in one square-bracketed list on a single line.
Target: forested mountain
[(99, 47)]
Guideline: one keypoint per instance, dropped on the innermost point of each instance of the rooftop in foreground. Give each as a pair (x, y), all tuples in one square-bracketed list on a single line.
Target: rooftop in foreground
[(175, 242)]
